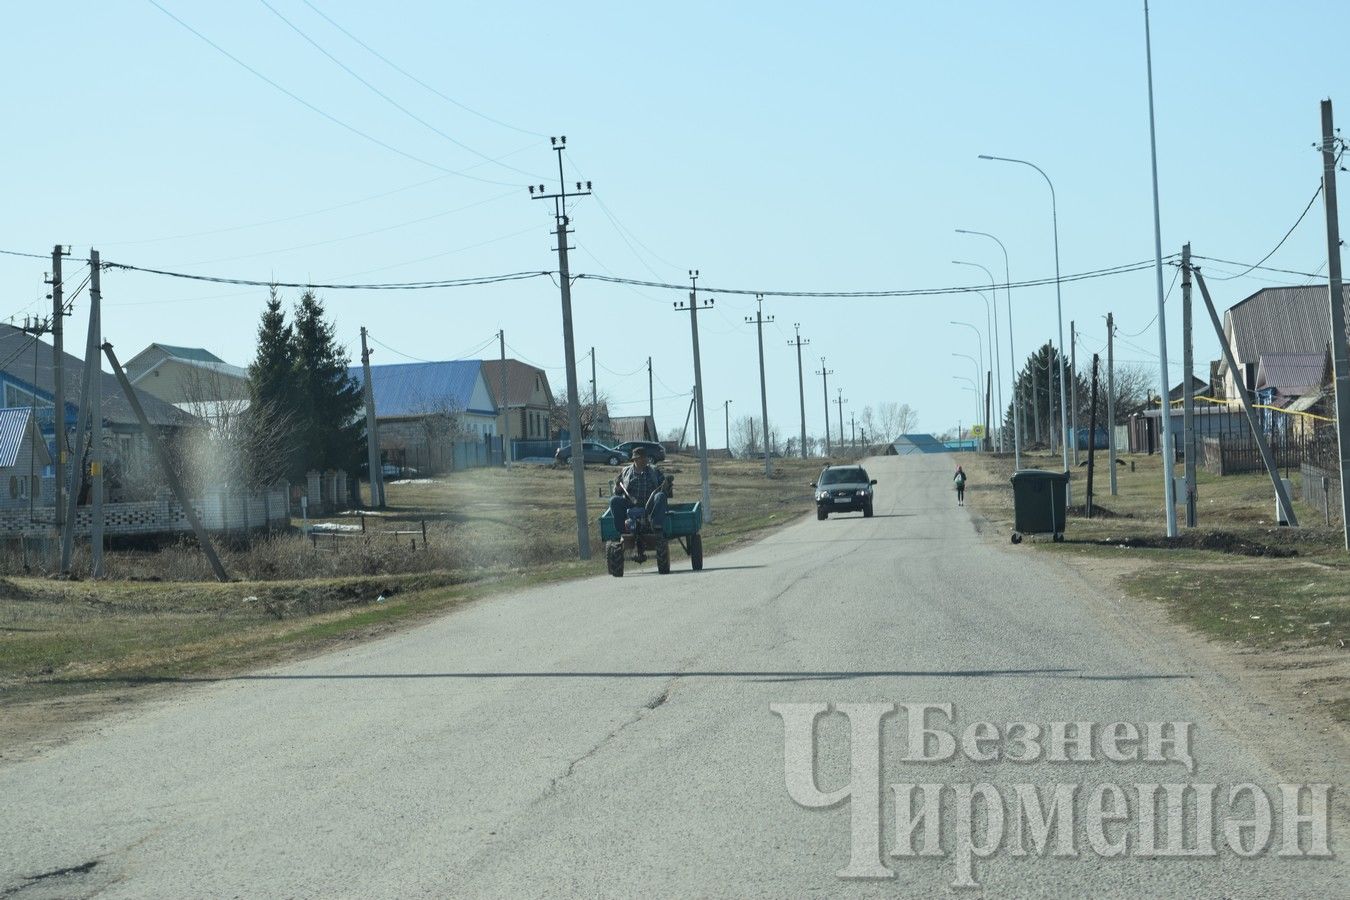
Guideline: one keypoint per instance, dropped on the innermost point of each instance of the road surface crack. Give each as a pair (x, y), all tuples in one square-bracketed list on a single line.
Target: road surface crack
[(659, 699), (32, 880)]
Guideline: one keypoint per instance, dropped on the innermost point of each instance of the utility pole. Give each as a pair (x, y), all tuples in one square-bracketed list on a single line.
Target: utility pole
[(651, 396), (1036, 396), (759, 321), (506, 406), (825, 374), (1073, 387), (988, 392), (801, 381), (82, 420), (841, 401), (569, 348), (1092, 438), (59, 389), (595, 402), (1111, 397), (726, 416), (1336, 297), (372, 430), (96, 416), (1187, 390), (1050, 399), (853, 430), (693, 306)]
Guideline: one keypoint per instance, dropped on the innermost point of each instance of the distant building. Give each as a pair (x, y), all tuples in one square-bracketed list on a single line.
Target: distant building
[(528, 402), (633, 428), (191, 378), (424, 408), (23, 457)]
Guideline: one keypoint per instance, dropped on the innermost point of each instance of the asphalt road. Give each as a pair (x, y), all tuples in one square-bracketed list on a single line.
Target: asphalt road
[(614, 737)]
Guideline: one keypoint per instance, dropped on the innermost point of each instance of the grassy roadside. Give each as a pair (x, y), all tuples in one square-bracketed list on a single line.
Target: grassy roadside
[(72, 642), (1277, 593)]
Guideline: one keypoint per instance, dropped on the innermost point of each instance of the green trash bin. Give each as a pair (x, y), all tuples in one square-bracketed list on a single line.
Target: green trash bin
[(1038, 503)]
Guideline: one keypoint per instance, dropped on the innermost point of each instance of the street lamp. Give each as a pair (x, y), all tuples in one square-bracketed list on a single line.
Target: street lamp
[(993, 357), (970, 387), (1059, 305), (979, 347), (1012, 358), (979, 381)]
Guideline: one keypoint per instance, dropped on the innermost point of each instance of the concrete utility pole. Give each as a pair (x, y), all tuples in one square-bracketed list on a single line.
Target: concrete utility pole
[(1073, 388), (726, 416), (1169, 454), (759, 321), (693, 306), (1092, 438), (825, 374), (569, 347), (801, 381), (170, 476), (82, 420), (1336, 297), (1281, 495), (1111, 397), (59, 385), (853, 430), (651, 397), (841, 401), (1187, 390), (595, 403), (96, 416), (376, 470), (506, 406)]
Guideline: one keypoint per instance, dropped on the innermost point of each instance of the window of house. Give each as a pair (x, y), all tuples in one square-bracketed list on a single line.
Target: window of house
[(13, 487)]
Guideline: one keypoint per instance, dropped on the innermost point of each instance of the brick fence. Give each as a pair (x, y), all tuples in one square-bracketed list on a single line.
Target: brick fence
[(217, 510)]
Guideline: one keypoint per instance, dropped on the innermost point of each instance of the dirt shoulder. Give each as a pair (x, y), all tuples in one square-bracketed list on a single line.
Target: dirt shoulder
[(1267, 605), (73, 651)]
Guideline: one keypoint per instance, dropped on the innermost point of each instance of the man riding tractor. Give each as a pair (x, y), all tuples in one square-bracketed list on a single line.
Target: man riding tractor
[(638, 506)]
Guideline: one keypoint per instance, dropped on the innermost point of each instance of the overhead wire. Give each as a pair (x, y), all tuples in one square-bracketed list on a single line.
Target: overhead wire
[(406, 74), (390, 100), (472, 281), (321, 112)]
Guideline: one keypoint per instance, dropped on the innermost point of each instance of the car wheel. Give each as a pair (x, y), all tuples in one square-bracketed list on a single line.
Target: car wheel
[(867, 511), (821, 514), (613, 460)]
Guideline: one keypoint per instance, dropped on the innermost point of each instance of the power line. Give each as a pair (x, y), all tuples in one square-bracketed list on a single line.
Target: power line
[(329, 116), (387, 286), (468, 354), (406, 74), (904, 292), (1165, 299), (390, 100)]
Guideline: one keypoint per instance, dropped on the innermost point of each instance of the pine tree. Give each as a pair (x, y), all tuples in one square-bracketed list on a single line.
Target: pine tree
[(271, 379), (329, 433)]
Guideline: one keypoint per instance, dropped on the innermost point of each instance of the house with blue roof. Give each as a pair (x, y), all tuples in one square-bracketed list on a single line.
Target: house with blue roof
[(23, 457), (423, 408)]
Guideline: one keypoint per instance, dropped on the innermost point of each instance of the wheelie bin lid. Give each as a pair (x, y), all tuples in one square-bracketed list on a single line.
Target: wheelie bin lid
[(1038, 475)]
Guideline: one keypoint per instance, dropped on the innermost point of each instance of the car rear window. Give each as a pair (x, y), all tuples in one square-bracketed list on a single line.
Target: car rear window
[(844, 476)]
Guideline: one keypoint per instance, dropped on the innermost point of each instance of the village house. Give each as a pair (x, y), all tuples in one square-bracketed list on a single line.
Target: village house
[(27, 379), (427, 411), (523, 413), (1274, 320), (191, 378), (633, 428), (24, 458)]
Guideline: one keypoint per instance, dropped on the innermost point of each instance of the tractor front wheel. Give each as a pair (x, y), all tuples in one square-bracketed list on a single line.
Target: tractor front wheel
[(614, 558)]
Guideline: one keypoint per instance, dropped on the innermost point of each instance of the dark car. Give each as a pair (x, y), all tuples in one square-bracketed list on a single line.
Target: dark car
[(591, 452), (655, 452), (843, 489)]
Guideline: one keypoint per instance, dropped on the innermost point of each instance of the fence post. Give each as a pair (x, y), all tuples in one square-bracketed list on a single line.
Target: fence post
[(1326, 499), (424, 534)]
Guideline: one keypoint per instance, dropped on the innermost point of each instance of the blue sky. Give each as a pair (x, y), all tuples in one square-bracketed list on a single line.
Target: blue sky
[(772, 146)]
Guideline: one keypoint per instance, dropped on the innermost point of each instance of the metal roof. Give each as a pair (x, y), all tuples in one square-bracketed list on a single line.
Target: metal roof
[(15, 426), (906, 444), (633, 428), (1278, 320), (520, 378), (29, 361), (192, 354), (1292, 374), (421, 388)]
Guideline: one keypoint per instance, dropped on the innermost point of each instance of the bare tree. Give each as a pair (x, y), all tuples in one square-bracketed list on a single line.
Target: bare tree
[(1133, 382), (892, 420), (747, 439), (591, 413), (441, 423)]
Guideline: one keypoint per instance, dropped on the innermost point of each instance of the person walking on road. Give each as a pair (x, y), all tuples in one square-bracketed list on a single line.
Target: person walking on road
[(959, 479)]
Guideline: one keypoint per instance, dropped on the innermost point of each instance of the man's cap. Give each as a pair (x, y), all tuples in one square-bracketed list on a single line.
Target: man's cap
[(639, 451)]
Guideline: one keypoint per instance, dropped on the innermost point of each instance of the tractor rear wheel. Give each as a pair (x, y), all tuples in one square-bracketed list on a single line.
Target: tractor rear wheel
[(614, 558), (696, 552), (663, 556)]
